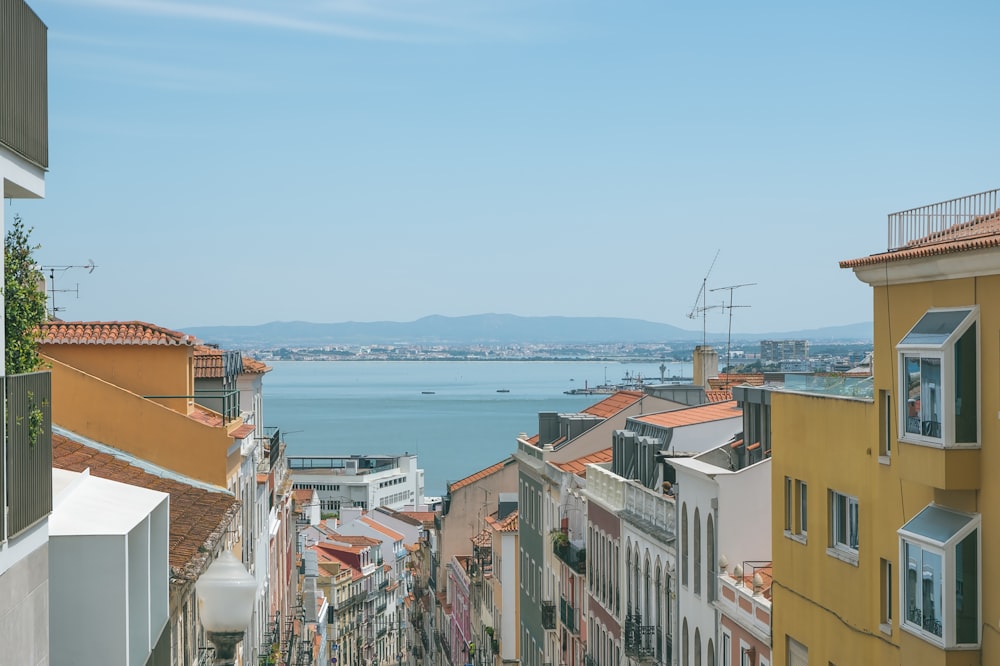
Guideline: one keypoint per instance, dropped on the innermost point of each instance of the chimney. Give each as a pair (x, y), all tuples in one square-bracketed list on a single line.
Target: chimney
[(706, 364)]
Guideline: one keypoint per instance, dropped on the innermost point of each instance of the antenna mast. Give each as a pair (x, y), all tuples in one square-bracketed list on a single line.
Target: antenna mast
[(89, 267), (696, 310), (729, 340)]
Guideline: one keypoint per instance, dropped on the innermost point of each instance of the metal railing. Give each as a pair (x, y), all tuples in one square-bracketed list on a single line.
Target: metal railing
[(225, 402), (639, 638), (26, 464), (944, 221), (24, 101), (548, 615), (574, 556), (568, 616)]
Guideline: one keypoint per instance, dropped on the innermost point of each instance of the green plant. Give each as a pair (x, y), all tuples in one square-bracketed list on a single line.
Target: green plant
[(24, 301), (36, 419), (559, 538)]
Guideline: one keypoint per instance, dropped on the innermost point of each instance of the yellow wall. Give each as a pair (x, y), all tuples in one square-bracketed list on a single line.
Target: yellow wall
[(141, 369), (111, 415), (833, 607)]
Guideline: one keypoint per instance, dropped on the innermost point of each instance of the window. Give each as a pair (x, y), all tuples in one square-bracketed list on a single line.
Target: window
[(796, 509), (939, 595), (789, 504), (803, 508), (697, 553), (939, 379), (843, 522), (885, 426), (885, 597), (684, 545)]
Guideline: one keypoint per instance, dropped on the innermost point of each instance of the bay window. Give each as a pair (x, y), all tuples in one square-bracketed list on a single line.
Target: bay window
[(940, 569), (939, 379)]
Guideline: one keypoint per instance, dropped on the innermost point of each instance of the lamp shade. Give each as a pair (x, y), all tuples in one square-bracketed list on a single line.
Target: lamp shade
[(226, 593)]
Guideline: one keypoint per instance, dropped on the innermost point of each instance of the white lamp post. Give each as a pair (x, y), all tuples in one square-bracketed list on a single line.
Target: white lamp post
[(226, 593)]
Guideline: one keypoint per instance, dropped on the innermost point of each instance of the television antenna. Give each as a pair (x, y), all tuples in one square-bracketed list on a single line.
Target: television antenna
[(89, 267), (729, 339), (703, 308)]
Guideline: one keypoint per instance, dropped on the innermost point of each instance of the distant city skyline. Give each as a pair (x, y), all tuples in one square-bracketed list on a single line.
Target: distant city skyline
[(237, 163)]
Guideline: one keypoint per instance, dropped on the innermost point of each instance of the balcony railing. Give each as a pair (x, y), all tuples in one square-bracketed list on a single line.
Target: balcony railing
[(26, 466), (548, 615), (574, 556), (639, 637), (225, 402), (945, 221), (24, 102), (568, 616)]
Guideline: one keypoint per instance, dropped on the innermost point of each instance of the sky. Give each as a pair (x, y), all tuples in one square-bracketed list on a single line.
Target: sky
[(236, 162)]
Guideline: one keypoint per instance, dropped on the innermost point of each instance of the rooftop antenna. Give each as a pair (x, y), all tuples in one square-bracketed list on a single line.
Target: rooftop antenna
[(729, 340), (702, 309), (89, 267)]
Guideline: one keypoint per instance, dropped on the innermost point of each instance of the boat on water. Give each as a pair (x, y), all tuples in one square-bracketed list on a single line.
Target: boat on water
[(428, 392), (503, 390)]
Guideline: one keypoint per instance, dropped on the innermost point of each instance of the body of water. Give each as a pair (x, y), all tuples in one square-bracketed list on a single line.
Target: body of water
[(449, 413)]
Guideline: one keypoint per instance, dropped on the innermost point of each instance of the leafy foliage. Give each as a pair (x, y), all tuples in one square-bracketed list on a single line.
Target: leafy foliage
[(24, 300)]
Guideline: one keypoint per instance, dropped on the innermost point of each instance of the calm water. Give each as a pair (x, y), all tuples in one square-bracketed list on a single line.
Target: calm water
[(376, 407)]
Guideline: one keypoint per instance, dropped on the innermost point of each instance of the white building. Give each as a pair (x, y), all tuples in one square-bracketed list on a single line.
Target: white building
[(360, 481)]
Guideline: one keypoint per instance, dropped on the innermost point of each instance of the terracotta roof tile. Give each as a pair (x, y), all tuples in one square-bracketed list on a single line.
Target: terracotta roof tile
[(718, 396), (614, 403), (208, 362), (713, 411), (243, 431), (378, 527), (111, 333), (481, 474), (579, 466), (725, 381), (198, 517), (252, 366), (205, 416), (981, 232)]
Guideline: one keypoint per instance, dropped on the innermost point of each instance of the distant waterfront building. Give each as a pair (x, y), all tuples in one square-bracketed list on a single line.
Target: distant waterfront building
[(360, 481), (776, 351)]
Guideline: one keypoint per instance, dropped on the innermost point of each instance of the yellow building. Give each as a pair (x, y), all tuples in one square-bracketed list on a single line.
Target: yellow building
[(882, 495), (131, 385)]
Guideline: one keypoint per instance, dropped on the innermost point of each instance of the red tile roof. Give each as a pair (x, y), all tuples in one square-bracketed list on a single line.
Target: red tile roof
[(481, 474), (579, 466), (242, 431), (111, 333), (718, 396), (713, 411), (205, 416), (727, 380), (198, 517), (981, 232), (378, 527), (252, 366), (208, 362), (614, 403)]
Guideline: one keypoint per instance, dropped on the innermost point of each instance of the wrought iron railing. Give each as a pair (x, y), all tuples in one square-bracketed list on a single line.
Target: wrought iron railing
[(639, 638), (945, 221), (26, 464), (548, 615), (568, 616), (574, 556)]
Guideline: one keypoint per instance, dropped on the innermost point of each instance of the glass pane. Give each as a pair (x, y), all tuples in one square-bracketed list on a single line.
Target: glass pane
[(937, 523), (853, 507), (911, 593), (935, 327), (912, 391), (931, 592), (966, 398), (967, 589)]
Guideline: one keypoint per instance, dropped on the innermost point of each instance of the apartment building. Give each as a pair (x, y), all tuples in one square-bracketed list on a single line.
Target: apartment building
[(883, 503)]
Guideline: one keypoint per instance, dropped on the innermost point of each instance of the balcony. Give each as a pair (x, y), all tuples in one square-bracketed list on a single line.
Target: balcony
[(573, 556), (26, 467), (24, 110), (223, 401), (943, 222), (548, 615), (568, 616), (639, 637)]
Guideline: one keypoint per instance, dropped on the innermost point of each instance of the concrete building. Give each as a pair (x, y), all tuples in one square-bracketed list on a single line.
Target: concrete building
[(363, 481), (884, 504), (777, 351)]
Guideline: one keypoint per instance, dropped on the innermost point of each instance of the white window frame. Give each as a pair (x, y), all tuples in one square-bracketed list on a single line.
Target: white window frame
[(844, 517), (945, 550), (943, 393)]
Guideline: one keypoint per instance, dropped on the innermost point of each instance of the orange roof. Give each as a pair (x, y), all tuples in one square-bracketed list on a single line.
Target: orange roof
[(718, 396), (378, 527), (713, 411), (614, 403), (727, 380), (207, 362), (111, 333), (426, 518), (198, 517), (481, 474), (579, 466), (205, 416), (252, 366), (979, 233), (242, 431), (508, 524)]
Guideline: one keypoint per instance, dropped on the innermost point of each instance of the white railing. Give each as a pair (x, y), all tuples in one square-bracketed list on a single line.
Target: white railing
[(944, 221)]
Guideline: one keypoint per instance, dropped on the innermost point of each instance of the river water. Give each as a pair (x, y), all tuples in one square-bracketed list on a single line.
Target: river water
[(447, 412)]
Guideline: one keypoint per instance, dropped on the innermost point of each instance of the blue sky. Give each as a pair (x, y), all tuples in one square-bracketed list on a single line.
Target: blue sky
[(243, 161)]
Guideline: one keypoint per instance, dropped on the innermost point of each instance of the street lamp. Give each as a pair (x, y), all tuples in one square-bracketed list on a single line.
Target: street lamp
[(226, 593)]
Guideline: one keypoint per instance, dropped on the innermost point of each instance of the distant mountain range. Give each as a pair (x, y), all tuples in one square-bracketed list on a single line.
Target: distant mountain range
[(493, 329)]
